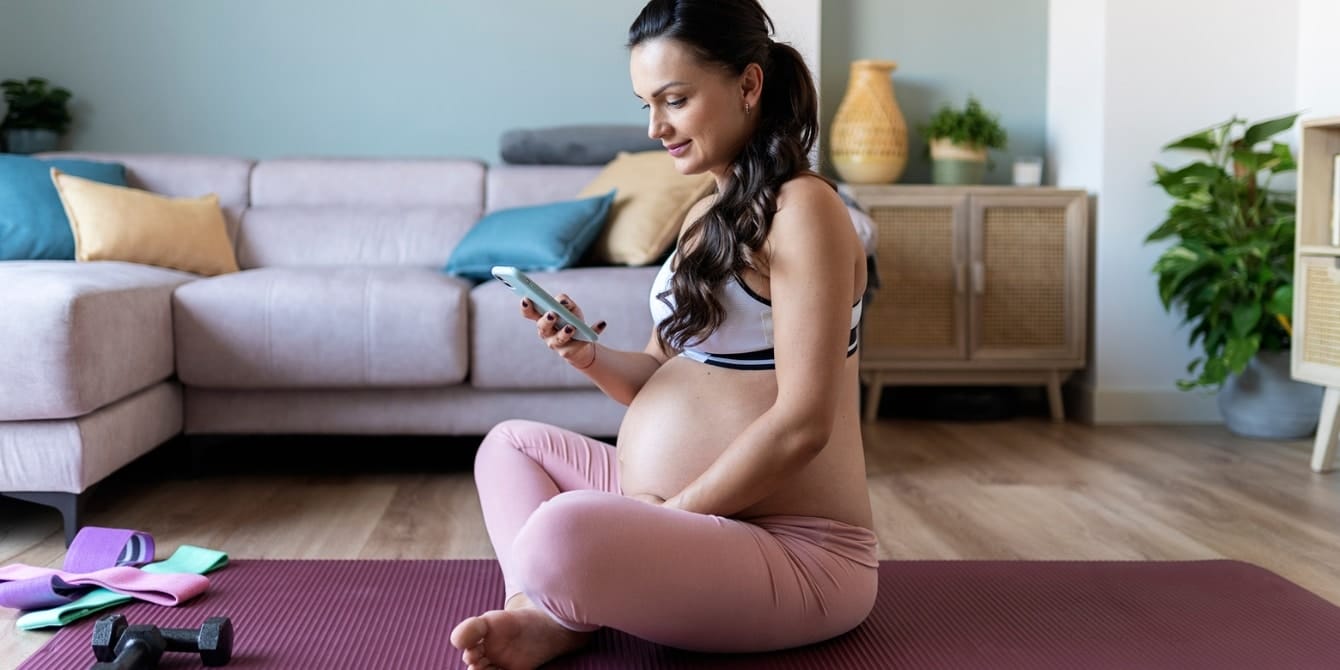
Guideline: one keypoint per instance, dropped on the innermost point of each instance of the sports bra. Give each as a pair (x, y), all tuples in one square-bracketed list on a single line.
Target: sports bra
[(743, 341)]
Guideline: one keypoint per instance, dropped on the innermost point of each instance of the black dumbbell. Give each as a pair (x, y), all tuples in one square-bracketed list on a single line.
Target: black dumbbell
[(137, 648), (213, 640)]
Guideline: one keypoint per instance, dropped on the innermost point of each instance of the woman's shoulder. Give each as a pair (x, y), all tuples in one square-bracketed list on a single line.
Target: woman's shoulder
[(806, 196)]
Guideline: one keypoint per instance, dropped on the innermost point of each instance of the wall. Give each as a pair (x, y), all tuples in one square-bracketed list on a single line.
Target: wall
[(406, 77), (1120, 87), (322, 77), (947, 50)]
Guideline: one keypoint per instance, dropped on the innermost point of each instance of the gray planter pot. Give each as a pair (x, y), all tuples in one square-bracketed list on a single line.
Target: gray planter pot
[(1265, 402), (30, 140)]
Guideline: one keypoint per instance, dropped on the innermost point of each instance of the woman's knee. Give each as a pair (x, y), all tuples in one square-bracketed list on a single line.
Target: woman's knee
[(565, 538), (506, 438)]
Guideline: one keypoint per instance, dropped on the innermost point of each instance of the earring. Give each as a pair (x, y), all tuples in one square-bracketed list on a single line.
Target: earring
[(746, 109)]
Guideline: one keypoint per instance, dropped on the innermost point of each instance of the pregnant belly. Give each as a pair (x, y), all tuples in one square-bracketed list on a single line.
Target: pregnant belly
[(682, 419)]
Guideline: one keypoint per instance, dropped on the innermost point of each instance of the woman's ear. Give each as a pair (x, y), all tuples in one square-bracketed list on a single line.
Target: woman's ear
[(751, 84)]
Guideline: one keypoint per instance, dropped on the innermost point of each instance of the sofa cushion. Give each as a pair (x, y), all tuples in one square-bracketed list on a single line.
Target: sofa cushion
[(183, 176), (510, 186), (505, 352), (115, 223), (78, 336), (322, 328), (32, 222), (532, 239), (359, 211)]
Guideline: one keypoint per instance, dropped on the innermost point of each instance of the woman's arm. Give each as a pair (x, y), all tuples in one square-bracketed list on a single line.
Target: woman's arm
[(812, 253)]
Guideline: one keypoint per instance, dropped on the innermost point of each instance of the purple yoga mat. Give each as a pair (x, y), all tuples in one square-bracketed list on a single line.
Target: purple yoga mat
[(930, 614)]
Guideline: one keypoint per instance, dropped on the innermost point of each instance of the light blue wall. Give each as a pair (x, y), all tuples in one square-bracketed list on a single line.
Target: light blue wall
[(266, 78)]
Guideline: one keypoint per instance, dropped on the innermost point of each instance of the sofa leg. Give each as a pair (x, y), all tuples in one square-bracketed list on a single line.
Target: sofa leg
[(70, 506)]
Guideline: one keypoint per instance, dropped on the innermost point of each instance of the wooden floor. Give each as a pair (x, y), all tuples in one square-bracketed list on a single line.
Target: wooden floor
[(1017, 489)]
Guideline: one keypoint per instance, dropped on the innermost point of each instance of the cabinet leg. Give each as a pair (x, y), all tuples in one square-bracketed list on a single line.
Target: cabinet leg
[(872, 394), (1328, 431), (1054, 396)]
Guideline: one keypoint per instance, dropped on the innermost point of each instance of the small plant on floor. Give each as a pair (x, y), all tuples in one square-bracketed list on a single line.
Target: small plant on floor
[(1230, 268)]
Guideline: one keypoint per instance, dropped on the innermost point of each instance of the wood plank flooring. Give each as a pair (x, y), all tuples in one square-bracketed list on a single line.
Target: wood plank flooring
[(1017, 489)]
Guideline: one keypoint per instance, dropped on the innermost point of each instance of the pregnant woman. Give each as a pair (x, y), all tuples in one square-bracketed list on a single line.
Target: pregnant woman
[(734, 514)]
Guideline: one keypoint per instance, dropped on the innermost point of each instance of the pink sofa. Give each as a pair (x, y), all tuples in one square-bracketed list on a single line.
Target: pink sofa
[(341, 321)]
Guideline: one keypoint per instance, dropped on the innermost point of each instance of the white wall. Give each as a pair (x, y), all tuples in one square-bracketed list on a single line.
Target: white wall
[(1318, 58), (1147, 72)]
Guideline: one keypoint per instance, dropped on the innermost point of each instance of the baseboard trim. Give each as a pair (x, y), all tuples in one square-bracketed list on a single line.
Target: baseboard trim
[(1111, 406)]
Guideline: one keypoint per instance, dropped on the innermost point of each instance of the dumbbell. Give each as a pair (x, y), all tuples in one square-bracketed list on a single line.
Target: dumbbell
[(213, 641)]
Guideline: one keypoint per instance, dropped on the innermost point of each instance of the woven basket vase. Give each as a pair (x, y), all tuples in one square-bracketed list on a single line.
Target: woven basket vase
[(869, 134)]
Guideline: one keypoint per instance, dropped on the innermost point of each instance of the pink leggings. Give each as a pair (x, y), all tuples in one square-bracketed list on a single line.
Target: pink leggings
[(590, 557)]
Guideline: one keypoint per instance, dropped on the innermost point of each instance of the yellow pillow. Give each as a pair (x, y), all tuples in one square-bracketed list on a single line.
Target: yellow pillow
[(651, 201), (115, 223)]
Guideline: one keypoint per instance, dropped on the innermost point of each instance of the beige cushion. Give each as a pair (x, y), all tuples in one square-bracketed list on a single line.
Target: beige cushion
[(115, 223), (649, 208)]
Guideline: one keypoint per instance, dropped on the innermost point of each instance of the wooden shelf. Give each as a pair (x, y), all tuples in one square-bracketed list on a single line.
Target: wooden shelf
[(1316, 308)]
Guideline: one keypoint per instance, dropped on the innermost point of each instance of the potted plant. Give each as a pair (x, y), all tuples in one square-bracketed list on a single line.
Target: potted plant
[(959, 140), (36, 115), (1230, 271)]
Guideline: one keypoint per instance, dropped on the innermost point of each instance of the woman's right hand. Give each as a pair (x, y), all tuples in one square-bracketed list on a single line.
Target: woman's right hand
[(579, 354)]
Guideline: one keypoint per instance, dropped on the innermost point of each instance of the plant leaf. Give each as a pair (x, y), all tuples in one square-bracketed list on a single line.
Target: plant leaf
[(1245, 318), (1202, 141), (1260, 131)]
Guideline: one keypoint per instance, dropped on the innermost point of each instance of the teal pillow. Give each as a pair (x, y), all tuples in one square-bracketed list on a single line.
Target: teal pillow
[(33, 224), (532, 239)]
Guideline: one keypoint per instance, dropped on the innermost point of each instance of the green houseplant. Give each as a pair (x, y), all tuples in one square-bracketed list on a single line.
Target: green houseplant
[(1230, 267), (36, 115), (958, 142)]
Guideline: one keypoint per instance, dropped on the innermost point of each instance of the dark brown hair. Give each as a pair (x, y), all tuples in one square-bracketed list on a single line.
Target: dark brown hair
[(727, 239)]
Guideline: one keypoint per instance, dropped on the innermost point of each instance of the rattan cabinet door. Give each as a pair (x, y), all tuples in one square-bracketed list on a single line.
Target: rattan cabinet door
[(919, 311), (1317, 327), (1027, 277)]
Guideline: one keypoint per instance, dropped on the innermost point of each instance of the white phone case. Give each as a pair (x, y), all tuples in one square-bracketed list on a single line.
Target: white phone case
[(527, 288)]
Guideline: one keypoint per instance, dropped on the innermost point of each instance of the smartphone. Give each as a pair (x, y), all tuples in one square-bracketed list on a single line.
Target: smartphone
[(527, 288)]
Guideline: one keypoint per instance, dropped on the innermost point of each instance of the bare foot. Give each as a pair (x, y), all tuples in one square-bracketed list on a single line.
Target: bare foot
[(519, 637)]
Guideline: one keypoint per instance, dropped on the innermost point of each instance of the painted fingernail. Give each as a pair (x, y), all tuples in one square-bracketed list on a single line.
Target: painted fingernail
[(600, 326), (563, 302), (567, 329), (525, 303), (549, 316)]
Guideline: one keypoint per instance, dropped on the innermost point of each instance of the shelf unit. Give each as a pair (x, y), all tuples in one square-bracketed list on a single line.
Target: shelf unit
[(979, 285), (1315, 356)]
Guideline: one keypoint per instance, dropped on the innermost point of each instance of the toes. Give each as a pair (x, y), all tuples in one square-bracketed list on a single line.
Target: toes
[(474, 655), (469, 633)]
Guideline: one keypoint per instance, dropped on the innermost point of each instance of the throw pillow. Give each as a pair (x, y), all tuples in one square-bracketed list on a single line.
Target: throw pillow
[(573, 145), (115, 223), (653, 198), (536, 238), (32, 220)]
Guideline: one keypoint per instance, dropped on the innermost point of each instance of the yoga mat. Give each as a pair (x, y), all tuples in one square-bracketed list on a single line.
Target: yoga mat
[(930, 614)]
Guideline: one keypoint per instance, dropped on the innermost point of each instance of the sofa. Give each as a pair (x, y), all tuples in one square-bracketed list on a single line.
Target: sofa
[(340, 321)]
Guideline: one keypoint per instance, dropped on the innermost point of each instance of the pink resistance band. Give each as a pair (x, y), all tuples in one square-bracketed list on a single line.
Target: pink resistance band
[(98, 557)]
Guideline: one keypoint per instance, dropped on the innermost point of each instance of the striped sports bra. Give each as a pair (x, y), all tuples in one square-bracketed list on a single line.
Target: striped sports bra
[(743, 341)]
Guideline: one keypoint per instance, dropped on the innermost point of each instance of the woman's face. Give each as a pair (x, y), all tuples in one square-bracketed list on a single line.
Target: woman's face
[(697, 112)]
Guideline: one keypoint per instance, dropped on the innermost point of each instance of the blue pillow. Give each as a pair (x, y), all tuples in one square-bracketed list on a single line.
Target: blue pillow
[(532, 239), (33, 224)]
